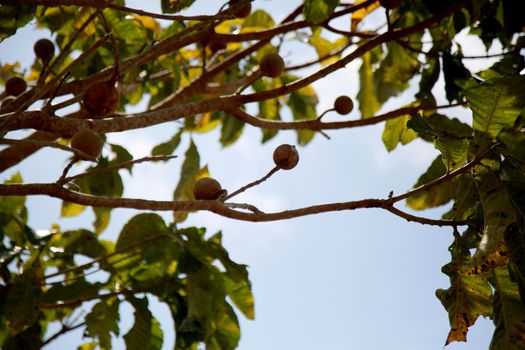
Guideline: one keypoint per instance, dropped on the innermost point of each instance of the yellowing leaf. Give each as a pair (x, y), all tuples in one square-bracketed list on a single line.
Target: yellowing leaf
[(358, 15), (148, 22)]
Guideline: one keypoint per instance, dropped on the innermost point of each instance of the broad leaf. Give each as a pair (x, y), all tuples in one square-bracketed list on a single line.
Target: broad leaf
[(436, 195), (509, 313), (495, 103), (468, 296), (317, 11), (396, 131), (144, 334), (102, 321), (22, 300), (241, 295)]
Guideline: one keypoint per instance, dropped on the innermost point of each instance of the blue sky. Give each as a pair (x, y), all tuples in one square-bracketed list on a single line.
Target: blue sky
[(351, 280)]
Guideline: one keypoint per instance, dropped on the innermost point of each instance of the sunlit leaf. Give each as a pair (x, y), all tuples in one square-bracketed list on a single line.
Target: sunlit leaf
[(368, 102), (360, 14), (396, 131), (319, 10)]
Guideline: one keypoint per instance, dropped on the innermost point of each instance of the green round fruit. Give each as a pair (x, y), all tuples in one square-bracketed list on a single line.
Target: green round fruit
[(286, 157), (88, 141), (15, 86), (272, 65), (44, 49), (207, 188), (343, 105), (101, 98)]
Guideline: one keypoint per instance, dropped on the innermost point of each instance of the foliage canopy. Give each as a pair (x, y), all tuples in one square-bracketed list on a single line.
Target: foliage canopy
[(202, 73)]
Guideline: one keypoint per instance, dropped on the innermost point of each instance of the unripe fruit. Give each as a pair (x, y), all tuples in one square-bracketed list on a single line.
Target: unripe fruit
[(390, 4), (14, 86), (272, 65), (285, 157), (343, 105), (101, 98), (207, 188), (44, 49), (88, 141)]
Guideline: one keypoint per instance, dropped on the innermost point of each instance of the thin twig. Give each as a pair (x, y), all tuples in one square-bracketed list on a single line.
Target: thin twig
[(251, 184), (63, 330), (107, 256), (99, 171), (47, 144), (61, 181)]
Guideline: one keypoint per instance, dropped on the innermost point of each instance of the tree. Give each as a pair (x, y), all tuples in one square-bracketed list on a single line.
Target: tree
[(226, 70)]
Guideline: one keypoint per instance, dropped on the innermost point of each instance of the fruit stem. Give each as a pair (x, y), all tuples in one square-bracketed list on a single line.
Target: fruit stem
[(251, 184)]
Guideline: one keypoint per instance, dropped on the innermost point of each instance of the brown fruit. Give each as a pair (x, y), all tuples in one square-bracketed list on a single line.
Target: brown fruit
[(343, 105), (207, 188), (272, 65), (215, 45), (14, 86), (286, 157), (390, 4), (44, 49), (88, 141), (101, 98), (243, 10)]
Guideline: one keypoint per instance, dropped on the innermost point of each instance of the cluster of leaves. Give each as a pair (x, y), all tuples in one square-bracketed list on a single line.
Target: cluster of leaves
[(46, 280), (192, 274)]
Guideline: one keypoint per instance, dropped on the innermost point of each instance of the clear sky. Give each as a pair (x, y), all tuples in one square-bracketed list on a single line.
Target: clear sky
[(351, 280)]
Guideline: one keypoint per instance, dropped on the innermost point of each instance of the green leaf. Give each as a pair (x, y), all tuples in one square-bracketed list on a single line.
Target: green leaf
[(69, 209), (103, 320), (453, 151), (324, 47), (302, 103), (231, 129), (455, 76), (121, 155), (436, 195), (468, 296), (22, 303), (317, 11), (227, 333), (236, 272), (498, 213), (168, 147), (509, 313), (13, 205), (258, 20), (81, 242), (206, 292), (396, 131), (188, 170), (102, 218), (76, 290), (173, 6), (241, 295), (14, 17), (368, 102), (495, 103), (145, 334), (141, 227)]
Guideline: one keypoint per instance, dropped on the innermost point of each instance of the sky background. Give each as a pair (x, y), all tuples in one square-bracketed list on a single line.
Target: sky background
[(360, 279)]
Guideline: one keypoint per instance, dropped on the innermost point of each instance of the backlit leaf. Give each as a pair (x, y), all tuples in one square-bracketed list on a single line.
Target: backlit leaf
[(496, 102), (319, 10), (102, 321)]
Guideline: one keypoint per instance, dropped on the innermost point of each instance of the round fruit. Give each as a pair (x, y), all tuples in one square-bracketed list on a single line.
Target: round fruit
[(88, 141), (243, 10), (14, 86), (285, 157), (390, 4), (101, 98), (207, 188), (272, 65), (7, 104), (44, 49), (216, 45), (343, 105)]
